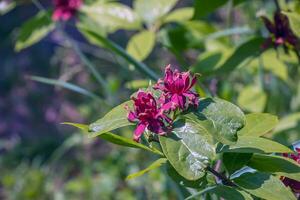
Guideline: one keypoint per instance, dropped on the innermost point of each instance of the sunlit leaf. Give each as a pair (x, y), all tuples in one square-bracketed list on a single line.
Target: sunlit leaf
[(179, 15), (252, 98), (34, 30), (258, 124), (153, 10), (249, 144), (287, 122), (114, 119), (276, 164), (140, 45), (264, 186), (294, 19), (154, 165), (188, 148)]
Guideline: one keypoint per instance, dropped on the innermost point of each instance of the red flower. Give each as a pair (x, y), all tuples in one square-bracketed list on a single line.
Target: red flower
[(293, 184), (176, 88), (147, 114), (65, 9), (280, 32)]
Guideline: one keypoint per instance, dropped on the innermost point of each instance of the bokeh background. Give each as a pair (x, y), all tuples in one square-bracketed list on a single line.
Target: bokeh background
[(42, 159)]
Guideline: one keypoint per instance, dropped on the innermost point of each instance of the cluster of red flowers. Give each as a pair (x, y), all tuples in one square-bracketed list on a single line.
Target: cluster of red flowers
[(280, 32), (293, 184), (152, 113), (65, 9)]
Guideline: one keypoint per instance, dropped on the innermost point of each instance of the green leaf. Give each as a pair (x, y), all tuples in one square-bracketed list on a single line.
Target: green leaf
[(225, 192), (276, 164), (116, 139), (258, 124), (249, 144), (154, 165), (250, 48), (235, 161), (151, 11), (33, 30), (226, 117), (200, 183), (205, 7), (188, 148), (112, 16), (179, 15), (114, 119), (252, 98), (264, 186), (137, 84), (294, 19), (141, 44), (288, 122)]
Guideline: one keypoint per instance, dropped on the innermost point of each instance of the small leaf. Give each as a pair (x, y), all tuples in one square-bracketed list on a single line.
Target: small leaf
[(235, 161), (249, 144), (114, 119), (179, 15), (264, 186), (258, 124), (154, 165), (141, 45), (294, 19), (151, 11), (288, 122), (188, 149), (33, 30), (112, 16), (226, 117), (276, 164), (252, 98)]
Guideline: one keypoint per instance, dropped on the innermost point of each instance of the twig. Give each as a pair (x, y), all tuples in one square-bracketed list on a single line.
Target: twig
[(223, 178)]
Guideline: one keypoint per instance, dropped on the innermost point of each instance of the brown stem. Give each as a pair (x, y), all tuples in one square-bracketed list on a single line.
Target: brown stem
[(223, 178)]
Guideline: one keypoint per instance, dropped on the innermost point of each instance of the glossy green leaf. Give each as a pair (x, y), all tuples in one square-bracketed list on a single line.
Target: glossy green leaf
[(249, 144), (205, 7), (288, 122), (34, 30), (250, 48), (188, 148), (200, 183), (151, 11), (258, 124), (179, 15), (112, 16), (226, 117), (116, 139), (264, 186), (294, 19), (141, 44), (276, 164), (154, 165), (226, 192), (252, 98), (235, 161), (114, 119)]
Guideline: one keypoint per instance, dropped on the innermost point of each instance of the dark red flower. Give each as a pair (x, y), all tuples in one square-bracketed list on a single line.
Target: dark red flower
[(176, 88), (148, 115), (280, 32), (65, 9), (293, 184)]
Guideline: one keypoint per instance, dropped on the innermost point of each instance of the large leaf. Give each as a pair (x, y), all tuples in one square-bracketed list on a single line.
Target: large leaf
[(226, 192), (226, 117), (288, 122), (114, 119), (264, 186), (154, 165), (33, 30), (276, 164), (294, 19), (253, 99), (179, 15), (258, 124), (116, 139), (151, 11), (188, 148), (235, 161), (112, 16), (249, 144), (250, 48), (141, 45)]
